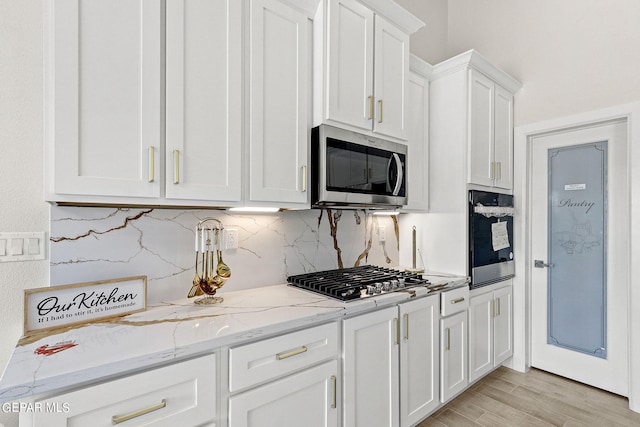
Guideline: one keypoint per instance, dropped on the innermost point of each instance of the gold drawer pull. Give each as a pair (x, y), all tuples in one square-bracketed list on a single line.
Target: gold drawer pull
[(117, 420), (380, 109), (457, 300), (370, 107), (152, 163), (281, 356), (448, 339), (334, 404), (304, 179), (406, 325), (176, 166)]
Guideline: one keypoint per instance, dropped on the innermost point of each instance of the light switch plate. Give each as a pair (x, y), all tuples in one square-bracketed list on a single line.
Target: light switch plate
[(28, 246)]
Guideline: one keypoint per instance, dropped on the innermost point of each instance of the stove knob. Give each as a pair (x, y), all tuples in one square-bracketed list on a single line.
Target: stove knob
[(378, 287), (386, 286), (401, 282), (371, 289), (395, 284)]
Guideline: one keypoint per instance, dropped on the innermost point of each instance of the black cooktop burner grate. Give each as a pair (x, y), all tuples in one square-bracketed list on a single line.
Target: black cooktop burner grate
[(353, 283)]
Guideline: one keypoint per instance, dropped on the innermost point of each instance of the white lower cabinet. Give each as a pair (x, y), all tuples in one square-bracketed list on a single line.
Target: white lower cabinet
[(453, 343), (371, 369), (490, 329), (294, 378), (180, 394), (391, 365), (308, 398), (419, 359)]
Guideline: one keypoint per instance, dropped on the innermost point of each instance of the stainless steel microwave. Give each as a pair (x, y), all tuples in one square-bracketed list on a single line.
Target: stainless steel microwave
[(353, 170)]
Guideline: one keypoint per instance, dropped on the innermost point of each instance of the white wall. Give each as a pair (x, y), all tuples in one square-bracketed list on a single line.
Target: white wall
[(21, 190), (572, 56), (430, 41)]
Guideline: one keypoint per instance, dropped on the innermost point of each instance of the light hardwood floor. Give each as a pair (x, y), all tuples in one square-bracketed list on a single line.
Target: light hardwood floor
[(536, 398)]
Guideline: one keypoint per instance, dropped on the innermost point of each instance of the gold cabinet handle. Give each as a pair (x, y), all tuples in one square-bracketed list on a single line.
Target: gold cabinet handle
[(457, 300), (448, 339), (176, 166), (281, 356), (152, 163), (492, 173), (406, 326), (493, 308), (499, 170), (370, 107), (396, 325), (499, 311), (380, 110), (304, 178), (117, 420), (334, 404)]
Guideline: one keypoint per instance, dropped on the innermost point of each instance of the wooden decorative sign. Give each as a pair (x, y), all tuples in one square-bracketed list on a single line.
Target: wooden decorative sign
[(57, 306)]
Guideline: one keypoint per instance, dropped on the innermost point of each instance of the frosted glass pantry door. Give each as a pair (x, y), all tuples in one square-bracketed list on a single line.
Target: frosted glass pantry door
[(579, 255)]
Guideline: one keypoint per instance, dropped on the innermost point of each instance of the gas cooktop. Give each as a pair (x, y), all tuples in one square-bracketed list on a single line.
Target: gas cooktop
[(353, 283)]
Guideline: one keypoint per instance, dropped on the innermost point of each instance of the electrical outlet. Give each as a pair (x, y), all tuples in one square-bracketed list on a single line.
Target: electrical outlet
[(231, 241), (382, 234)]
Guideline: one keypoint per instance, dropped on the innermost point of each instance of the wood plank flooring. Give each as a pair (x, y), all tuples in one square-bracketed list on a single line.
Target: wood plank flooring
[(536, 398)]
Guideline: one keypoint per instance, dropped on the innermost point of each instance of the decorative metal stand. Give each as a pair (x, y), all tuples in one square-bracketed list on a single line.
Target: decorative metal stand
[(213, 275)]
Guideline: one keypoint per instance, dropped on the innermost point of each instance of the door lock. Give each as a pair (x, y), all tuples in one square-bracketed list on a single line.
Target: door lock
[(540, 264)]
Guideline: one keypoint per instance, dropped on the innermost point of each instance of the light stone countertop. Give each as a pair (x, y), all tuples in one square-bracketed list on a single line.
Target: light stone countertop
[(175, 331)]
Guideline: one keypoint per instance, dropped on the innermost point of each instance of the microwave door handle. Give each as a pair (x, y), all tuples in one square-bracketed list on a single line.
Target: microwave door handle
[(399, 176)]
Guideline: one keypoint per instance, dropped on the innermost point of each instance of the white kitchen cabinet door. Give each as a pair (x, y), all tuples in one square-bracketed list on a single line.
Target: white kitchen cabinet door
[(503, 325), (371, 369), (391, 73), (204, 100), (279, 103), (481, 159), (102, 91), (417, 142), (453, 355), (182, 394), (349, 77), (490, 133), (481, 340), (490, 329), (503, 138), (419, 359), (308, 398)]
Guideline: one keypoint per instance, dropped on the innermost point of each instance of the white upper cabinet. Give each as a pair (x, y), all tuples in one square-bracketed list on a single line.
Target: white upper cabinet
[(362, 66), (391, 72), (491, 133), (102, 92), (279, 103), (203, 100), (471, 129), (503, 137), (418, 137), (350, 64), (231, 128)]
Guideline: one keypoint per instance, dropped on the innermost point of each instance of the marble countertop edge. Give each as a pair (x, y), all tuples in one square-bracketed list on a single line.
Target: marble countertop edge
[(180, 331)]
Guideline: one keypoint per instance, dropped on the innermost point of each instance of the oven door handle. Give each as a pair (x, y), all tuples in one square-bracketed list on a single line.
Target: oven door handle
[(400, 174)]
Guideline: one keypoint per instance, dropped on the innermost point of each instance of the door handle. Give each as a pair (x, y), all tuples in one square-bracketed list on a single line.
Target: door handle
[(540, 264)]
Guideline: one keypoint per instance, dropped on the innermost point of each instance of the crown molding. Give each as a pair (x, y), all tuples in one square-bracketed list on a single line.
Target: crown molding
[(475, 60)]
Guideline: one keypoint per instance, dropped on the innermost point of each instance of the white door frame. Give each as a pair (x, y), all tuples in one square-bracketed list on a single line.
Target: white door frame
[(523, 141)]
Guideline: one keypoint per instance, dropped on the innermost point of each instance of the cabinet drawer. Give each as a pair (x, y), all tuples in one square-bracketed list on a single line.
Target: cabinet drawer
[(261, 361), (454, 301), (180, 394)]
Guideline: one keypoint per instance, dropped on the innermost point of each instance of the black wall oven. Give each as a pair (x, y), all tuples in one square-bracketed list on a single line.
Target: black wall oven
[(490, 237)]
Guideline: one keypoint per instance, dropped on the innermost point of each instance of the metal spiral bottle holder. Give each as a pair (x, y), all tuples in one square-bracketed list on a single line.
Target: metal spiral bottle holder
[(208, 246)]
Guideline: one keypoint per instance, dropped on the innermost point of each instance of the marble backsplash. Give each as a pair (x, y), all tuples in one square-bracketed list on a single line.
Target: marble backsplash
[(89, 244)]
